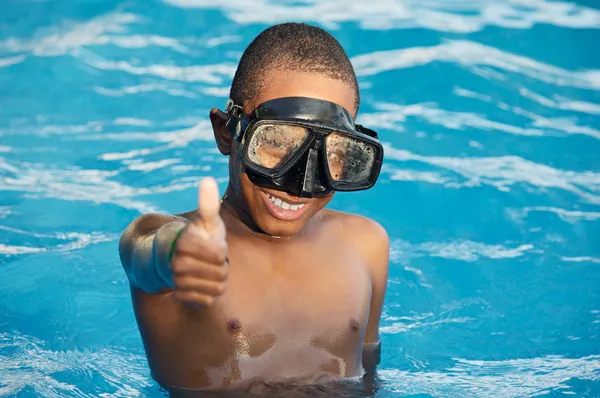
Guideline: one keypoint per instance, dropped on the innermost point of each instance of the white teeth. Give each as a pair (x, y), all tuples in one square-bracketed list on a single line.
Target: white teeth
[(284, 205)]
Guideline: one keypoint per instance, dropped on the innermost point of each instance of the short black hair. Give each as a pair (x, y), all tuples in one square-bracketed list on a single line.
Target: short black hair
[(294, 47)]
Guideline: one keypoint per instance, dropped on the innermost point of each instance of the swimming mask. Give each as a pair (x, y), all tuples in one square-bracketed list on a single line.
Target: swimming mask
[(305, 146)]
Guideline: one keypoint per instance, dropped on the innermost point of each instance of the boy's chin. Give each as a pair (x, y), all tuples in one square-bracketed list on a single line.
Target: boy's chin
[(281, 229)]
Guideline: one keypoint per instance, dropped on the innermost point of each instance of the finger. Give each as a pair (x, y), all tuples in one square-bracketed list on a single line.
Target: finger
[(209, 203), (196, 245), (186, 266), (195, 298), (196, 285)]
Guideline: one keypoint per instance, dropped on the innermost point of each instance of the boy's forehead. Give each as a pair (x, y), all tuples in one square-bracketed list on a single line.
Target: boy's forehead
[(291, 84)]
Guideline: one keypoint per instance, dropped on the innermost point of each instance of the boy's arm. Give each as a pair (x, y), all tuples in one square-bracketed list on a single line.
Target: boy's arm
[(185, 254), (378, 257), (144, 249)]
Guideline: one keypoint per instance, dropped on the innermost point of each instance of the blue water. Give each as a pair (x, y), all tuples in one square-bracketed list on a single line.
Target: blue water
[(490, 192)]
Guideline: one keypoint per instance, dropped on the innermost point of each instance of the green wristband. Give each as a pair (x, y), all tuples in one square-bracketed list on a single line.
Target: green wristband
[(173, 244)]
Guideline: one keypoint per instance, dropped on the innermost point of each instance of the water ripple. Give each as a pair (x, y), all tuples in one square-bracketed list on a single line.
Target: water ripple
[(5, 211), (27, 363), (391, 116), (72, 241), (465, 250), (12, 249), (213, 74), (110, 108), (4, 62), (525, 377), (403, 327), (473, 55), (581, 259), (562, 103), (457, 16), (570, 216), (95, 186), (145, 88), (504, 171), (59, 40)]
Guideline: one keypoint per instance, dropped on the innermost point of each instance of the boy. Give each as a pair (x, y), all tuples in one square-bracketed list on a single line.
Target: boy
[(266, 285)]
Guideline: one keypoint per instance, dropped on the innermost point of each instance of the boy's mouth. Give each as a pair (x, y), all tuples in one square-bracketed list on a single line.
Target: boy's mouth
[(285, 208)]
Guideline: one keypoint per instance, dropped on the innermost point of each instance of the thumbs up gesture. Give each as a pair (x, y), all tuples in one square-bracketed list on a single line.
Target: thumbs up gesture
[(199, 261)]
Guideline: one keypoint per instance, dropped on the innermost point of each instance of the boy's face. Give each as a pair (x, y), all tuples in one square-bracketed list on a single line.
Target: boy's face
[(277, 212)]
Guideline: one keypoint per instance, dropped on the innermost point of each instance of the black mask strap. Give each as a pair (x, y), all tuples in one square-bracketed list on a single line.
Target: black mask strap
[(235, 120)]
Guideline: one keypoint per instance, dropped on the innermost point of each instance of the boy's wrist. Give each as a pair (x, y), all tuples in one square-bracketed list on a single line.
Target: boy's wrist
[(165, 241)]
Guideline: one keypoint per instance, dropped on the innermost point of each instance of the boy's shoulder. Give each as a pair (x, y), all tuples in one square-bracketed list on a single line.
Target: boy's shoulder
[(366, 233), (366, 236), (353, 220)]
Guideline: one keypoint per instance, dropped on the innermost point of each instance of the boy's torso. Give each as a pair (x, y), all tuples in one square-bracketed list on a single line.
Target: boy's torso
[(292, 310)]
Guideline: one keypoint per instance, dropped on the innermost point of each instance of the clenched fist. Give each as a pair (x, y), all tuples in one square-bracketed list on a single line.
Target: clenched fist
[(199, 261)]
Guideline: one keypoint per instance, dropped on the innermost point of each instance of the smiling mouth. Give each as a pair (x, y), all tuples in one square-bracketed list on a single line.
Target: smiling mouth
[(282, 204), (286, 209)]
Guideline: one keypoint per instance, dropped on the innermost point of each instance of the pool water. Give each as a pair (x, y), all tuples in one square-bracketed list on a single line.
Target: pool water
[(490, 192)]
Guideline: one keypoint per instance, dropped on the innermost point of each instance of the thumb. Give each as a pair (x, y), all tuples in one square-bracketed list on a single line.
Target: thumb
[(209, 203)]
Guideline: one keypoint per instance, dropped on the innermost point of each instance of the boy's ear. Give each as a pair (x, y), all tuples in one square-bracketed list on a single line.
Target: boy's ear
[(222, 135)]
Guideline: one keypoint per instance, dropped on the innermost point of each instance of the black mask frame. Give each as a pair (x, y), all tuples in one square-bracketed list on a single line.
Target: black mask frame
[(309, 177)]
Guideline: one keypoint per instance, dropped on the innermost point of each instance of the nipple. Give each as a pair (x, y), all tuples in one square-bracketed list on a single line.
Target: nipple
[(354, 324), (234, 326)]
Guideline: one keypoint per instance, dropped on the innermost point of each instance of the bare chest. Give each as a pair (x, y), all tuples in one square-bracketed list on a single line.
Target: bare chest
[(286, 313), (297, 293), (300, 318)]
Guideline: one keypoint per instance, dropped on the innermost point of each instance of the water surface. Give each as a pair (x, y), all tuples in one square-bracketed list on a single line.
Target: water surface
[(490, 113)]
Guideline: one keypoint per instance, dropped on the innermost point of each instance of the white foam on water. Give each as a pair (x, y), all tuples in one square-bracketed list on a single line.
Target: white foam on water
[(570, 216), (70, 35), (4, 62), (26, 362), (464, 250), (503, 172), (472, 55), (440, 15), (526, 377), (142, 89)]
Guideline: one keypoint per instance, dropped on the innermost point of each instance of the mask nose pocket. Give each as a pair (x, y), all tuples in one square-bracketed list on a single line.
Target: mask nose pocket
[(313, 181)]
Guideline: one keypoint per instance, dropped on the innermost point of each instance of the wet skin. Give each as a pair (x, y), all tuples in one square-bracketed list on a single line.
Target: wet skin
[(303, 293)]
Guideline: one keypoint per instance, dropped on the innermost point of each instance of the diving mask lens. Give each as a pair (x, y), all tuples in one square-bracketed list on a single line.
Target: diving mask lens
[(349, 160), (273, 145)]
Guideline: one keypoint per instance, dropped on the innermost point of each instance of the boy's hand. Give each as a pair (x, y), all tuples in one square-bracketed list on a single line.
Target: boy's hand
[(199, 261)]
